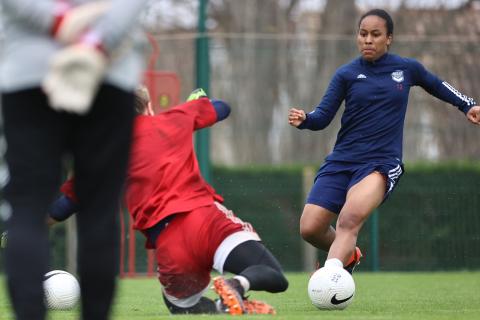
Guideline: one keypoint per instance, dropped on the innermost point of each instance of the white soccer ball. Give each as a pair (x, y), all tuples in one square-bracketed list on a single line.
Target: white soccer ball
[(331, 288), (62, 290)]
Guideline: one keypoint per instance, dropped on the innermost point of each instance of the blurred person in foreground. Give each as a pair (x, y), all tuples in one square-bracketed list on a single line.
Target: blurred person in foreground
[(182, 217), (366, 162), (68, 74)]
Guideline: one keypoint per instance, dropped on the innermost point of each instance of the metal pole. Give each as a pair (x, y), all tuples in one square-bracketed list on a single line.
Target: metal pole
[(71, 244), (202, 62), (310, 253)]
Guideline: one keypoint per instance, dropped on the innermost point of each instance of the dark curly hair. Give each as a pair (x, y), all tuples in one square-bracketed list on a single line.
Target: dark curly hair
[(382, 14)]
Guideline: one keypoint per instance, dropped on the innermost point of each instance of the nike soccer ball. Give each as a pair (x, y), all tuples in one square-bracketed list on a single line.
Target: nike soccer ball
[(62, 290), (331, 288)]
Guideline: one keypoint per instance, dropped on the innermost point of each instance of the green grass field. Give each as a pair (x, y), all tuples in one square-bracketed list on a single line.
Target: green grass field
[(435, 296)]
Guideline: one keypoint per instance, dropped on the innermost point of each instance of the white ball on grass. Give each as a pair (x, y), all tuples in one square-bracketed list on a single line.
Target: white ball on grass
[(331, 288), (62, 290)]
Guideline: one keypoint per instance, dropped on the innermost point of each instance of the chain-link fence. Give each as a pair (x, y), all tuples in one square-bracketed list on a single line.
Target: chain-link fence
[(266, 57)]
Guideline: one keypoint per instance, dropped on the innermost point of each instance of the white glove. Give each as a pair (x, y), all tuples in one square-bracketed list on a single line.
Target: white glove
[(77, 20), (73, 78)]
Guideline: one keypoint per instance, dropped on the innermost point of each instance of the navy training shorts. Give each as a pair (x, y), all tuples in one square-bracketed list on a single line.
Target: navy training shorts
[(335, 178)]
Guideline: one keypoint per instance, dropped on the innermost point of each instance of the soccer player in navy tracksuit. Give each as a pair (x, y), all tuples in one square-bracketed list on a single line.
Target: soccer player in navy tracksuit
[(366, 162)]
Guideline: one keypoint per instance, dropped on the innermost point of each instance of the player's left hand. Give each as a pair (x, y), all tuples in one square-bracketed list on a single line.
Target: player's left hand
[(474, 114)]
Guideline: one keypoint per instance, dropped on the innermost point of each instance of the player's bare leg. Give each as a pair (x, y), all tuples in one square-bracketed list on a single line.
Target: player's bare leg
[(315, 226), (361, 200)]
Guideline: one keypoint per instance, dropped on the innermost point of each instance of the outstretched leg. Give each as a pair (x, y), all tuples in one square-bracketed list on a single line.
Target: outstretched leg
[(254, 262), (361, 200)]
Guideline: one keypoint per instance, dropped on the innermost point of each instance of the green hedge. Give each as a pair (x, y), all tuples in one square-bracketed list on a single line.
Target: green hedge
[(431, 222), (271, 199)]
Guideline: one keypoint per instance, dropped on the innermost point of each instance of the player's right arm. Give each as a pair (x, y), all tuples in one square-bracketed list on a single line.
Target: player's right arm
[(323, 114), (296, 116), (205, 112), (61, 209), (222, 109)]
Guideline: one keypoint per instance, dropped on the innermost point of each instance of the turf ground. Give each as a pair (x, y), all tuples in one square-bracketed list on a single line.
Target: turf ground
[(398, 296)]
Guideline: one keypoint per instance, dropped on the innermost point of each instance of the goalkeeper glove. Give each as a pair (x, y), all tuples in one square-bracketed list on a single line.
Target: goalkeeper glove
[(197, 94), (73, 78), (70, 23)]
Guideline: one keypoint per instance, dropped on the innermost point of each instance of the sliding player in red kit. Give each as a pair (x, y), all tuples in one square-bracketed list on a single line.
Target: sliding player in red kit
[(183, 218)]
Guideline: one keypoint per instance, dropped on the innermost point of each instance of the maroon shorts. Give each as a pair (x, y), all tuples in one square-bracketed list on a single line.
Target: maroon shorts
[(185, 249)]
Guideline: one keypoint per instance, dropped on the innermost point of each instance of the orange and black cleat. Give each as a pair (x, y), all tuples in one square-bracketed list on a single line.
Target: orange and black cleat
[(354, 260), (229, 296), (258, 307)]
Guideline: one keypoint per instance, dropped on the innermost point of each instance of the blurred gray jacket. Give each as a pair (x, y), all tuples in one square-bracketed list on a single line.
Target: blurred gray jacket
[(28, 44)]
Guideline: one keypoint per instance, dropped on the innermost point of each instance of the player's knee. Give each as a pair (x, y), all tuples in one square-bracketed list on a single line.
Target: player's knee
[(349, 221), (308, 232), (276, 282), (264, 277), (313, 224), (274, 279)]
